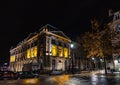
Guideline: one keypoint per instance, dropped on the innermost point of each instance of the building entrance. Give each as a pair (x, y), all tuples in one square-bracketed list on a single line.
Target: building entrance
[(60, 65), (53, 64)]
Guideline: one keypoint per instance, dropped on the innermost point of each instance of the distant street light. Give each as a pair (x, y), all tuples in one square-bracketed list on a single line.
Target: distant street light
[(101, 60), (72, 56), (93, 58), (72, 45)]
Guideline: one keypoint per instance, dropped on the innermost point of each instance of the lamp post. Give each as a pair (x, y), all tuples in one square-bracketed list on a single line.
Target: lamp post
[(50, 55), (72, 57)]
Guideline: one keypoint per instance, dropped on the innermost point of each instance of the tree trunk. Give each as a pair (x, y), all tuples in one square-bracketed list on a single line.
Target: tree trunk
[(79, 64), (113, 62), (105, 63)]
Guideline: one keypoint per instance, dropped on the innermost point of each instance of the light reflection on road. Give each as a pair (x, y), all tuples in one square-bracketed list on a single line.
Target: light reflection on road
[(94, 79), (63, 80), (31, 81), (66, 80)]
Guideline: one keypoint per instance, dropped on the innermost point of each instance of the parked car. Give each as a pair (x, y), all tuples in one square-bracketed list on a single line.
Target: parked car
[(8, 75), (26, 74)]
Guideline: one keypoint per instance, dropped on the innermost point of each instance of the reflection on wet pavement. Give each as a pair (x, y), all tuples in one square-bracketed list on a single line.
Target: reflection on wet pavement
[(66, 80)]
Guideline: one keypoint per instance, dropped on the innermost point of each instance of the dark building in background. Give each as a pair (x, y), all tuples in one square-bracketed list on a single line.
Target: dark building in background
[(48, 49), (78, 58), (114, 24), (75, 58)]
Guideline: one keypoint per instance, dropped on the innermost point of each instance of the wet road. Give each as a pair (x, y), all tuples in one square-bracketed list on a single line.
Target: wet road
[(66, 80)]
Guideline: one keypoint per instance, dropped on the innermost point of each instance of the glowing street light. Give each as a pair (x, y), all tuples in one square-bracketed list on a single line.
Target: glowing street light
[(93, 58), (72, 45), (72, 56)]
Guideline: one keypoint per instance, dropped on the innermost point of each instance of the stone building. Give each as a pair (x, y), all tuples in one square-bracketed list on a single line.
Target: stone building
[(46, 50), (114, 24)]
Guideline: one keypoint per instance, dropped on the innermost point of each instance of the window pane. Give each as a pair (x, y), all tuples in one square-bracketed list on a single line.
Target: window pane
[(35, 51), (65, 52), (60, 51), (12, 58), (54, 50), (28, 53)]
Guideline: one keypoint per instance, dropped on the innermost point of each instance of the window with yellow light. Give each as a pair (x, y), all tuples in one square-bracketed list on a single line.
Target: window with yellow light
[(54, 50), (66, 52), (60, 51), (35, 51), (32, 52), (28, 53), (12, 58)]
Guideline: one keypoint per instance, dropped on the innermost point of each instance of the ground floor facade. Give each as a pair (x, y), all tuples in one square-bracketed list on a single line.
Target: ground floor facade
[(33, 65)]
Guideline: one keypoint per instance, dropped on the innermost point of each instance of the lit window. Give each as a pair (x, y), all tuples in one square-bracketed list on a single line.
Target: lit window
[(32, 52), (28, 53), (54, 50), (65, 52), (60, 51), (12, 58), (35, 51)]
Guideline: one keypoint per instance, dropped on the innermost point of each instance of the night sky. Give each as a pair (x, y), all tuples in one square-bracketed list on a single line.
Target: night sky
[(18, 18)]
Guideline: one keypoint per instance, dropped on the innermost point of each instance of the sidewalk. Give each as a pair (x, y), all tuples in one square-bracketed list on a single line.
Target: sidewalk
[(98, 72), (102, 72), (89, 73)]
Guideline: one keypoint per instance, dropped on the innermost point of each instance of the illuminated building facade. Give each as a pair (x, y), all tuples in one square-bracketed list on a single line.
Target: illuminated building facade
[(48, 49), (115, 27)]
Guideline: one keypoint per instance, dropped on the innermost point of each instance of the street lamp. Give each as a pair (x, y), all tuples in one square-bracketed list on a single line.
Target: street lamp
[(93, 58), (72, 45), (72, 56)]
